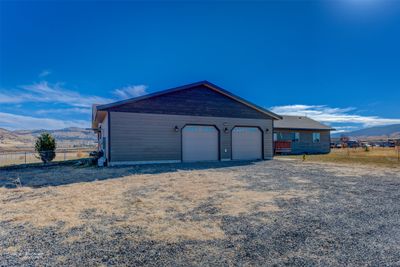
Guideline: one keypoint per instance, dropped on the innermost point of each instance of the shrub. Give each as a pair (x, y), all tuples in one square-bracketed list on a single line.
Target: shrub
[(45, 146)]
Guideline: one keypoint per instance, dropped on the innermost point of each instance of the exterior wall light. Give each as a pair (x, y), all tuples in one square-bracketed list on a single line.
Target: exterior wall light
[(176, 128), (226, 130)]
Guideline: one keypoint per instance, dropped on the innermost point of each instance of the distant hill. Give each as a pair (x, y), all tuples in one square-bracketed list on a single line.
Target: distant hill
[(65, 138), (378, 132)]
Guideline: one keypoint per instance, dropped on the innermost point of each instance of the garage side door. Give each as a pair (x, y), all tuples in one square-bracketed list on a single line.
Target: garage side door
[(246, 143), (199, 143)]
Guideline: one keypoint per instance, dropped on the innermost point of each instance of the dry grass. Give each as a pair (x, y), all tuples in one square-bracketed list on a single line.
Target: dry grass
[(162, 205), (385, 157), (16, 158)]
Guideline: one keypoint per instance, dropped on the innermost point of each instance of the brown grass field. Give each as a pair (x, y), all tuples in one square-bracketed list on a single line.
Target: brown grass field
[(145, 201), (385, 157)]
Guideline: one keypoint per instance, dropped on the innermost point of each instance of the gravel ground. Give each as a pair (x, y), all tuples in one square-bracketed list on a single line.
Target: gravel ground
[(317, 214)]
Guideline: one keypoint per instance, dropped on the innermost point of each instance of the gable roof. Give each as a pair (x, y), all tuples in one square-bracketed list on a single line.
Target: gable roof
[(300, 123), (188, 86)]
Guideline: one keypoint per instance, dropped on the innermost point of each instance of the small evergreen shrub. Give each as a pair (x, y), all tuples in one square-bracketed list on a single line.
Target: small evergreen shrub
[(45, 147)]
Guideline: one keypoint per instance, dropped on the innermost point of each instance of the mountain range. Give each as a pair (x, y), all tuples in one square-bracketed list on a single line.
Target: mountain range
[(65, 138), (378, 132)]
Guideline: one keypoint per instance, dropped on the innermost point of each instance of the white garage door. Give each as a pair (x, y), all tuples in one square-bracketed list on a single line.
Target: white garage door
[(199, 143), (246, 143)]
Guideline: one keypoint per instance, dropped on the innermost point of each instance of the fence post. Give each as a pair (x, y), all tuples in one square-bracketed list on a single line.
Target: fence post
[(25, 157), (65, 156)]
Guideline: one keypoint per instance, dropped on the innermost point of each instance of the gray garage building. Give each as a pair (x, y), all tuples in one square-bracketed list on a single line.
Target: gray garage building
[(301, 135), (195, 122)]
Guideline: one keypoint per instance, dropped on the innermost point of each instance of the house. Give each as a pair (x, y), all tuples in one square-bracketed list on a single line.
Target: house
[(194, 122), (301, 135)]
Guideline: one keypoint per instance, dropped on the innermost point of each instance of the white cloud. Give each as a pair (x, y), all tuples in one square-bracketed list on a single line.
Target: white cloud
[(331, 115), (20, 122), (9, 97), (44, 92), (64, 111), (131, 91), (44, 73), (347, 128)]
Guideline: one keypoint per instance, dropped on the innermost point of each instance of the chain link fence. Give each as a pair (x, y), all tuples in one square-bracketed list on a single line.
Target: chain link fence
[(25, 157)]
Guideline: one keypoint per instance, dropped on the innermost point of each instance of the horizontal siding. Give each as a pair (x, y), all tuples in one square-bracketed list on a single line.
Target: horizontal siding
[(152, 137), (197, 101), (306, 144)]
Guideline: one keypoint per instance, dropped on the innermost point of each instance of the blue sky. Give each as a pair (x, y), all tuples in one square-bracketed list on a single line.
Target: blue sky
[(335, 61)]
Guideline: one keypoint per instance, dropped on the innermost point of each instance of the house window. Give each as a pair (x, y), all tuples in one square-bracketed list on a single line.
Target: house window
[(316, 137), (295, 137), (278, 136)]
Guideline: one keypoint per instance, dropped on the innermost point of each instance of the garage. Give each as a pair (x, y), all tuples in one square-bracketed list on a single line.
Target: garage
[(199, 143), (193, 122), (246, 143)]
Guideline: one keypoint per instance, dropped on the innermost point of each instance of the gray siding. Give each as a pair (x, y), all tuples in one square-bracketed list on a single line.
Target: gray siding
[(196, 101), (151, 137), (306, 145)]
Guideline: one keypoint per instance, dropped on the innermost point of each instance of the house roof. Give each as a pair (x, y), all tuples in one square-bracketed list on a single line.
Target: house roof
[(300, 123), (188, 86)]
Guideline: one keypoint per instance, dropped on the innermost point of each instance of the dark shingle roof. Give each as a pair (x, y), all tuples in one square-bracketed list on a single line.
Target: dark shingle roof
[(300, 122), (188, 86)]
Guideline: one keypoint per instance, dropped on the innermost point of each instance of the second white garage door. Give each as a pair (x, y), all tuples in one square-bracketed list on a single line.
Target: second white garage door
[(199, 143), (246, 143)]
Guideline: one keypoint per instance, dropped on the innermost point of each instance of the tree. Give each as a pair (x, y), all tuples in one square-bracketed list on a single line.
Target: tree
[(45, 146)]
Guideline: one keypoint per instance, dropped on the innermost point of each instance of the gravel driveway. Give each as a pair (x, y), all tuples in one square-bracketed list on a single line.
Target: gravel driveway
[(282, 212)]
